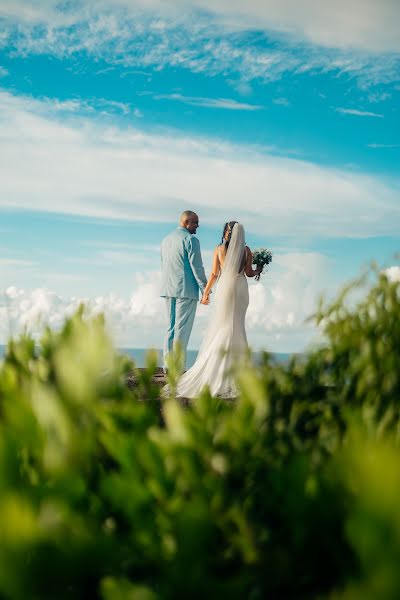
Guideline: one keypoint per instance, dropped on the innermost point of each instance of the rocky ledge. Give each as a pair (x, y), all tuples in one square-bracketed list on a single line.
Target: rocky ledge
[(158, 378)]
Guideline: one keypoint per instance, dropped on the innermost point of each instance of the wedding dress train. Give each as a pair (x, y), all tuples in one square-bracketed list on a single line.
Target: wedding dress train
[(225, 341)]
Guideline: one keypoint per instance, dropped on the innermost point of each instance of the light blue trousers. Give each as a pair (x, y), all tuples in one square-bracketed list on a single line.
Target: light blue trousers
[(180, 314)]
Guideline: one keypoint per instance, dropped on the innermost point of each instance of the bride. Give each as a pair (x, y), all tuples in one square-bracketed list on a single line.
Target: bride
[(225, 341)]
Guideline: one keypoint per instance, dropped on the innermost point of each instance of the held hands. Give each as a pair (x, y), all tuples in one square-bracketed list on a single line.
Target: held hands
[(205, 299)]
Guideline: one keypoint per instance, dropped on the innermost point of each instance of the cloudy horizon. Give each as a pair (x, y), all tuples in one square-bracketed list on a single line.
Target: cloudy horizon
[(115, 116)]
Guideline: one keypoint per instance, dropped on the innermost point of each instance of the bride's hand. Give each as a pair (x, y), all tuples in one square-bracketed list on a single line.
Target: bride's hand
[(205, 299), (258, 272)]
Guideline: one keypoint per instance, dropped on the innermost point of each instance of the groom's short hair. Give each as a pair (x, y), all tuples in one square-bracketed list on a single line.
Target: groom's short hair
[(187, 214)]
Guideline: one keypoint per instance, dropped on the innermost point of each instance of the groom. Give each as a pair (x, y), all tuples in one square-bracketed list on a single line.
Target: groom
[(182, 277)]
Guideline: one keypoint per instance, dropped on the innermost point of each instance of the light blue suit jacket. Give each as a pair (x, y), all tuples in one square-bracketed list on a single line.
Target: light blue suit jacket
[(182, 266)]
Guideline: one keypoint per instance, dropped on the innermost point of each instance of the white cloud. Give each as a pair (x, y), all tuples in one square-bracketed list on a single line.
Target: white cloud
[(377, 96), (370, 25), (374, 145), (78, 165), (279, 305), (75, 105), (15, 269), (224, 103), (285, 299), (393, 273), (363, 24), (3, 72), (123, 107), (281, 101), (16, 262), (135, 322), (121, 246), (358, 113), (146, 35), (30, 12), (115, 257)]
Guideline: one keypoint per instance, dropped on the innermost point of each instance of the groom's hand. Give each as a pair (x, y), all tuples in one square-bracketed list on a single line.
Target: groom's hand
[(205, 299)]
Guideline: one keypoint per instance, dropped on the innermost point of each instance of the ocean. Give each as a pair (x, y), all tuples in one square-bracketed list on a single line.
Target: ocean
[(139, 355)]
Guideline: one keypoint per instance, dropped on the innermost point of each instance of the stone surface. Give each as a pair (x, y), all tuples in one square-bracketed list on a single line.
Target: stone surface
[(159, 378)]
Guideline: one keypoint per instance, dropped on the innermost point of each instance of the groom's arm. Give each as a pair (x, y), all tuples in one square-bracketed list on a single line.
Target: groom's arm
[(196, 262)]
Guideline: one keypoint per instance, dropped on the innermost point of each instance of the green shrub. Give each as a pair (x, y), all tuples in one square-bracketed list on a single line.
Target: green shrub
[(290, 492)]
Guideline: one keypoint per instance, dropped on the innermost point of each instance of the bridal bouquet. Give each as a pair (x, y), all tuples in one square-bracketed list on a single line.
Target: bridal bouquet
[(261, 258)]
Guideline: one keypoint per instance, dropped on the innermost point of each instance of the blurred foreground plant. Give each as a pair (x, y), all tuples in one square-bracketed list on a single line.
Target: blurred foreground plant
[(291, 492)]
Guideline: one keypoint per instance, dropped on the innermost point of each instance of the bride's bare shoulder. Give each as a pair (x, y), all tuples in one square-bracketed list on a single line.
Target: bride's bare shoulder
[(219, 253)]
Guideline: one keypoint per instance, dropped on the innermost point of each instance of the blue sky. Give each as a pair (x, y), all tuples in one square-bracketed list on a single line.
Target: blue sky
[(115, 116)]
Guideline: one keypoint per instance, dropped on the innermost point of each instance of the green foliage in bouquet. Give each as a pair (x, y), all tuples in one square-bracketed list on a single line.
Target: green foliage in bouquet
[(261, 259), (290, 492)]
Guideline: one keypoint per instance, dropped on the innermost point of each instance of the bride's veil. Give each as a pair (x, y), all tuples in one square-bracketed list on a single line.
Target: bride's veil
[(223, 317)]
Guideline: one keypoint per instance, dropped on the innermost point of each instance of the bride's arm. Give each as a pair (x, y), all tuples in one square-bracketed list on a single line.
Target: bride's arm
[(212, 279), (249, 264)]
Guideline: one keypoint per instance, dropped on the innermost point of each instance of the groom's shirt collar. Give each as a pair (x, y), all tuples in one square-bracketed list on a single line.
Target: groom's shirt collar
[(183, 229)]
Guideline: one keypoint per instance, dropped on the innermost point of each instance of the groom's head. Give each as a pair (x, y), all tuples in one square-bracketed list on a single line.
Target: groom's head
[(189, 220)]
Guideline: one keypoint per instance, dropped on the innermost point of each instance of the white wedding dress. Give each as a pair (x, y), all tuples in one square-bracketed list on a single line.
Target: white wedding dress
[(225, 342)]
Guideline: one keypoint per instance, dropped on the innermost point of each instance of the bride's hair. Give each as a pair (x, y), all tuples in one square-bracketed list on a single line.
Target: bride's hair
[(227, 227)]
